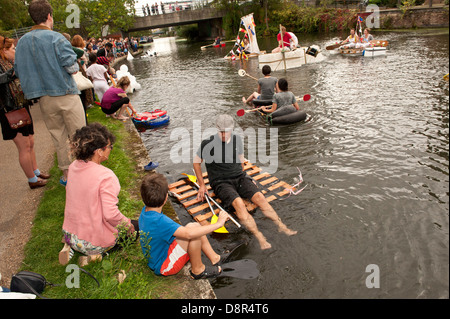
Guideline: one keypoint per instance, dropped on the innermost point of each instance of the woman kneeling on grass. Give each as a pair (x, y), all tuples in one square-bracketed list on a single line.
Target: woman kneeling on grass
[(91, 214), (115, 99)]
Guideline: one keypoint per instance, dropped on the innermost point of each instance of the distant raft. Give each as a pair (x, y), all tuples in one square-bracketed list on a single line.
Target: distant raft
[(151, 119)]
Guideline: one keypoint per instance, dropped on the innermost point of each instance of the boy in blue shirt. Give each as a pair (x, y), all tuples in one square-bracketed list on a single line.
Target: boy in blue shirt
[(167, 245)]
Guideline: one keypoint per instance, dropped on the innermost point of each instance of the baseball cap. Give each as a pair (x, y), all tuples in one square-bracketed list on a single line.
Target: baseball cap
[(224, 122)]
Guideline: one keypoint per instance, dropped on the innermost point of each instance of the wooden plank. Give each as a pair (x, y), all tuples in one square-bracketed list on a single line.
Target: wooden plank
[(177, 184), (187, 195), (277, 185), (283, 193), (181, 189), (254, 171), (268, 181), (258, 177), (203, 217), (197, 209)]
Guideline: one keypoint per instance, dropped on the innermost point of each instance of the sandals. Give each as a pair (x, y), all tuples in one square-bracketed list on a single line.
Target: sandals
[(209, 272)]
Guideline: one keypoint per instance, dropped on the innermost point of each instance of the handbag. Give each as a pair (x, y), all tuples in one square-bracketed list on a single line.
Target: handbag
[(29, 282), (83, 83), (34, 283), (18, 118)]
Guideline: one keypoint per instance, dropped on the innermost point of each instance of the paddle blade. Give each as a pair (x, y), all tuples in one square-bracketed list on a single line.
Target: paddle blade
[(306, 97), (222, 229), (240, 112), (192, 178)]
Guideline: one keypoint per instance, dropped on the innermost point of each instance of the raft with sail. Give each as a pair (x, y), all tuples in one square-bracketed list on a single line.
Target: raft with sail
[(246, 31)]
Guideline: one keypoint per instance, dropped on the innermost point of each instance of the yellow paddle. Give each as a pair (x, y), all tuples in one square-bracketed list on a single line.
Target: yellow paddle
[(214, 218)]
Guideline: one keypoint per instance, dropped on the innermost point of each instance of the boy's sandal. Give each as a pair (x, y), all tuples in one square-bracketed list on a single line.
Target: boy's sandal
[(209, 272)]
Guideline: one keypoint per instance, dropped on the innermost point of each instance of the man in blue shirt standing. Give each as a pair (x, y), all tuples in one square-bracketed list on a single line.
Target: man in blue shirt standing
[(45, 62)]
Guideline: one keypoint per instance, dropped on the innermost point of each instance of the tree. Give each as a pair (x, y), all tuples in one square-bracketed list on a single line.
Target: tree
[(94, 16), (14, 14)]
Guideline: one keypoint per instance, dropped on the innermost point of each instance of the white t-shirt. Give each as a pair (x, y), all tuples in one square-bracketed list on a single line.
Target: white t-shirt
[(96, 72)]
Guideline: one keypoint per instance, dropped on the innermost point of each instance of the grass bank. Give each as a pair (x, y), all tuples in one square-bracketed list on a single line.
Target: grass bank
[(41, 252)]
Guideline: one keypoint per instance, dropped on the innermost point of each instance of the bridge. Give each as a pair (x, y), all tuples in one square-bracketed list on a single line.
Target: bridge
[(209, 21)]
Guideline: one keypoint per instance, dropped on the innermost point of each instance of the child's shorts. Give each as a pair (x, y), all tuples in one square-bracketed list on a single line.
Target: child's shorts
[(176, 259)]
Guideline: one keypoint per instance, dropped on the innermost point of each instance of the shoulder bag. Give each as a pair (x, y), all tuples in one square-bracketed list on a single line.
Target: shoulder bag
[(18, 118), (83, 83)]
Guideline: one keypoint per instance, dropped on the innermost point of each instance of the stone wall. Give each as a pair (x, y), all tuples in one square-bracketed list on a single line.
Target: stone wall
[(414, 18)]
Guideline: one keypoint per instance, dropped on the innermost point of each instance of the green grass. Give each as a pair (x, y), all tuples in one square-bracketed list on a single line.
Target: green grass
[(41, 252)]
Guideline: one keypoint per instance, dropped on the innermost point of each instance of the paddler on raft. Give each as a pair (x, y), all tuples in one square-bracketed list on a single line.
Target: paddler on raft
[(223, 154), (283, 102)]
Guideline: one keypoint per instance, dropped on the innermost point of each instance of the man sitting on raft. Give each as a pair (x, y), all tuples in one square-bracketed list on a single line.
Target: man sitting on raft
[(267, 86), (224, 160), (284, 41), (352, 40), (283, 102)]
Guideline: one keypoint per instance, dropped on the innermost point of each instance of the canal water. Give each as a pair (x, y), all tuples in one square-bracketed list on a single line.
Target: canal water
[(373, 220)]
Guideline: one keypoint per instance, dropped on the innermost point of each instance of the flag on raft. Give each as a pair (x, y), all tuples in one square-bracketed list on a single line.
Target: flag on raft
[(247, 28)]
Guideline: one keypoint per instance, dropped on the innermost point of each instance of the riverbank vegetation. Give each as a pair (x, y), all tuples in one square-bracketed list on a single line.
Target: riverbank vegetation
[(41, 252), (269, 14)]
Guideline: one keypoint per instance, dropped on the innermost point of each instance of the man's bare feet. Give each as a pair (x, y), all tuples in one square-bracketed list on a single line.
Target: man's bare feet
[(286, 230), (263, 243)]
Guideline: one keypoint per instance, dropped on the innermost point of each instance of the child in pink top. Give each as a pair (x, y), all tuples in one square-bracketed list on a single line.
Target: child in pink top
[(91, 214), (115, 99)]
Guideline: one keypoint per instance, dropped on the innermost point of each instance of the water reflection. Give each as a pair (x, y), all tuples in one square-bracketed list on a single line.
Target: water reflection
[(374, 156)]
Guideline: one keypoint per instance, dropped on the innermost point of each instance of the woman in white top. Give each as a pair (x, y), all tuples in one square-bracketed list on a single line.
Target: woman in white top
[(366, 38)]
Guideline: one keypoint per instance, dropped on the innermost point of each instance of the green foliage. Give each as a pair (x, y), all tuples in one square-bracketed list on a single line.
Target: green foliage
[(189, 32), (231, 21), (14, 15), (312, 19)]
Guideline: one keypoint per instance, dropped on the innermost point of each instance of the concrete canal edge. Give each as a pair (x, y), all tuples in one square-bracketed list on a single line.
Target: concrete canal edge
[(191, 289)]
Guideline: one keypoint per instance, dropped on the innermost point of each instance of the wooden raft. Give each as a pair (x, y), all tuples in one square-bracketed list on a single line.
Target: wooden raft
[(186, 194)]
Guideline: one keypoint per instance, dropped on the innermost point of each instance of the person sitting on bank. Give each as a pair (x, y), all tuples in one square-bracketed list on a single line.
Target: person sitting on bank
[(167, 245), (223, 154), (284, 102), (352, 40), (92, 215), (285, 43), (116, 100), (267, 86)]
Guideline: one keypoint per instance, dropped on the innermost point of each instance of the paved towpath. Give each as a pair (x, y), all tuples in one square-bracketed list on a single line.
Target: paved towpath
[(18, 203)]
